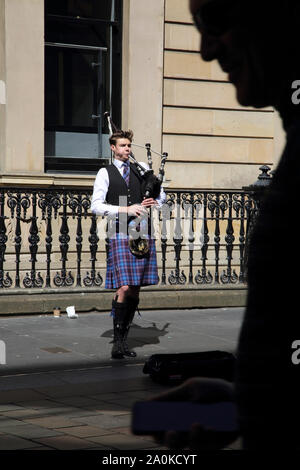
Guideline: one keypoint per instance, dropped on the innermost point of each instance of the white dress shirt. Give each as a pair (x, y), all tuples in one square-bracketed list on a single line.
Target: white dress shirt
[(99, 205)]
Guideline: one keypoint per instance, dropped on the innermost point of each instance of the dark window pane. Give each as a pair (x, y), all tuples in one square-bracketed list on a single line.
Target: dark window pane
[(77, 32), (88, 8), (74, 81), (82, 79)]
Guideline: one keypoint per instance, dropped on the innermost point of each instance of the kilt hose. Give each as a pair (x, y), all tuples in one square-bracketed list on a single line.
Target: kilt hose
[(125, 269)]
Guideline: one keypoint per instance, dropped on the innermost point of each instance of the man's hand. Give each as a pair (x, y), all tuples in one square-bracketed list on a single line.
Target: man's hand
[(149, 202), (135, 210), (200, 390)]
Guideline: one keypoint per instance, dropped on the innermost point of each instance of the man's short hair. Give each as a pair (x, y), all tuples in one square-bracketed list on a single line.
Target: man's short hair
[(120, 135)]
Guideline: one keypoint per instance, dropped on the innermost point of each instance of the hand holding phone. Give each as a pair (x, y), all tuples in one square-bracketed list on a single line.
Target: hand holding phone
[(199, 414), (150, 417)]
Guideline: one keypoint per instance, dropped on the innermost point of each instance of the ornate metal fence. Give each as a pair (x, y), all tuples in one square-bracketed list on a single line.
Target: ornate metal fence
[(213, 237), (50, 239)]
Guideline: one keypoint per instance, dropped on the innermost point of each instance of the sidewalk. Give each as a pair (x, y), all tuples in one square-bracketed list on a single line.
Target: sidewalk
[(59, 388)]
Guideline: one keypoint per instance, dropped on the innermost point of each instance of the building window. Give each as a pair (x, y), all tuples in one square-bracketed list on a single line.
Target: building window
[(83, 40)]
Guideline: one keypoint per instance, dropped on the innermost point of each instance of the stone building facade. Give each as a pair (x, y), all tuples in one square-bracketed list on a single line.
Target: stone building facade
[(169, 97), (63, 63)]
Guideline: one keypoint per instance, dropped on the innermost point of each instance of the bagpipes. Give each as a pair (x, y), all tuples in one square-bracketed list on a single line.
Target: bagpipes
[(150, 184)]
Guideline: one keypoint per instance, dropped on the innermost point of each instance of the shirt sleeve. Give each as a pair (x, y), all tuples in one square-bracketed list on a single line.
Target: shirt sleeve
[(99, 206)]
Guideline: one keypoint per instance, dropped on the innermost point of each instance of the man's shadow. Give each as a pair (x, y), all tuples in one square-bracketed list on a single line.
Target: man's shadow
[(139, 336)]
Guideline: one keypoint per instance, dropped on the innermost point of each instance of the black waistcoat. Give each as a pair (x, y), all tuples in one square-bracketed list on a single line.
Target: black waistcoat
[(118, 187)]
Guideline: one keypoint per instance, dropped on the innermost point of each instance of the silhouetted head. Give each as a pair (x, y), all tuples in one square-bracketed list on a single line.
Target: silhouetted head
[(256, 43)]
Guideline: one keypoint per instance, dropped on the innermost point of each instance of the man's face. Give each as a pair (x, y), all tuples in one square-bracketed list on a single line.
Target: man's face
[(229, 36), (122, 149)]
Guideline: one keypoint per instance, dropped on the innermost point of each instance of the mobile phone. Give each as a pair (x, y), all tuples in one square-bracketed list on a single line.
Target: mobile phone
[(149, 417)]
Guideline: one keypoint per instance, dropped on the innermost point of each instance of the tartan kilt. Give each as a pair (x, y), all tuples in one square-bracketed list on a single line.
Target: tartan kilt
[(123, 268)]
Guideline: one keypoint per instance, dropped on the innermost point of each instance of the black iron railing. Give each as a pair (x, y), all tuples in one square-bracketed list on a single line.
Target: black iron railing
[(216, 246), (49, 238)]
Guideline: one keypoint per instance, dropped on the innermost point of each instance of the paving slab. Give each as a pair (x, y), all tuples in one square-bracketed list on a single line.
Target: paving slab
[(67, 443), (51, 422), (30, 431), (85, 431), (123, 442), (15, 443), (107, 421)]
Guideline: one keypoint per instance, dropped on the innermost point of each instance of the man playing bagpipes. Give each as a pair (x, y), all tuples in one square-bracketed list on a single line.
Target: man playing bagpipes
[(119, 194)]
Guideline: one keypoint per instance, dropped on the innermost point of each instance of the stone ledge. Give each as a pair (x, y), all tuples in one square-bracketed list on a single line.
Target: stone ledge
[(16, 302)]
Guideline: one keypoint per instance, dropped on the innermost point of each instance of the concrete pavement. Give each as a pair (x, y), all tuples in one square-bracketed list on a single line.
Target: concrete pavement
[(59, 388)]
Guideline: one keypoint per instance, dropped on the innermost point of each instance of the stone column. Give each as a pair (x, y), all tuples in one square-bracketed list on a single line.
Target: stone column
[(142, 86), (21, 87)]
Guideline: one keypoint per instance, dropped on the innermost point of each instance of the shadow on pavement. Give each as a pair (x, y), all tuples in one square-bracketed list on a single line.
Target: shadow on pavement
[(140, 335)]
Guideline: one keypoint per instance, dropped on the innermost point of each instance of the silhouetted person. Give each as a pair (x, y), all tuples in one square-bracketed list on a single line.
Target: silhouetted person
[(257, 44)]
